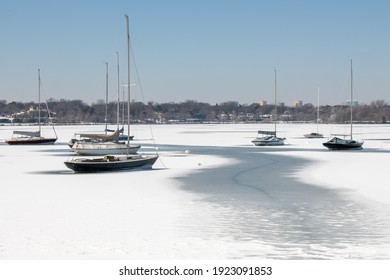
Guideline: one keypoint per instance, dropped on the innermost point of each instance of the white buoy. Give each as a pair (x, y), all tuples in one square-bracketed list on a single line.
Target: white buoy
[(187, 152)]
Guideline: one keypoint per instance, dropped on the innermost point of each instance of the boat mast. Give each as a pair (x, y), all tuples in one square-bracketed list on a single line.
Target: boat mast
[(106, 95), (276, 106), (318, 106), (128, 82), (351, 97), (123, 106), (117, 105), (39, 100)]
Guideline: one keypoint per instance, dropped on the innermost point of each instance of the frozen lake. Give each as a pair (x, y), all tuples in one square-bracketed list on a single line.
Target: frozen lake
[(211, 195)]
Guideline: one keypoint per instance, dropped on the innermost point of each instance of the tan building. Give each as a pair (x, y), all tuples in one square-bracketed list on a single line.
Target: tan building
[(262, 102), (297, 103)]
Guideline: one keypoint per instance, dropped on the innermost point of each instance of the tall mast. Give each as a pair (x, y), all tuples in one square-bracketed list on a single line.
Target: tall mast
[(128, 81), (39, 100), (106, 95), (276, 106), (318, 106), (123, 105), (117, 105), (351, 96)]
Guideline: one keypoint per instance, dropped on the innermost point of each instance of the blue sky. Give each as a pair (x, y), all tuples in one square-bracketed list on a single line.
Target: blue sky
[(205, 50)]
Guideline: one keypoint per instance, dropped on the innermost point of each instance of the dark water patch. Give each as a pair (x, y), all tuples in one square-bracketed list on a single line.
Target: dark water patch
[(257, 200)]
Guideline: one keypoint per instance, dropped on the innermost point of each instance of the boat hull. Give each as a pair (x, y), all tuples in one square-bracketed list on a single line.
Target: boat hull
[(314, 135), (111, 163), (121, 138), (32, 141), (268, 141), (342, 144), (94, 149)]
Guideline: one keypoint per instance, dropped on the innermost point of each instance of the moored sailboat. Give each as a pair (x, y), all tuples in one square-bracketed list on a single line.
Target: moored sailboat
[(269, 138), (316, 134), (337, 143), (33, 137), (111, 163)]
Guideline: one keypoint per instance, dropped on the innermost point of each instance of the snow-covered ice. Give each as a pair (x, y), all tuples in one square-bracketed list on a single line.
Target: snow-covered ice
[(211, 195)]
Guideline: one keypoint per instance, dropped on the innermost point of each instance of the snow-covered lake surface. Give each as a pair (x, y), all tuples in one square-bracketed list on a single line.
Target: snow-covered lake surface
[(211, 195)]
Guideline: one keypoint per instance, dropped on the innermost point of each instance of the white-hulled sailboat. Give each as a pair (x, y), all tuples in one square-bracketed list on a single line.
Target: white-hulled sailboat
[(269, 138), (102, 144), (111, 162), (337, 143)]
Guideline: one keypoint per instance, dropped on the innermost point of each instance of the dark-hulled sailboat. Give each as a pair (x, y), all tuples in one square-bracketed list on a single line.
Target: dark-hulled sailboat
[(337, 143)]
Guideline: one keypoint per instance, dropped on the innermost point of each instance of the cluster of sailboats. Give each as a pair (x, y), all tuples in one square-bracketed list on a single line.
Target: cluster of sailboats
[(269, 138), (112, 154), (112, 150), (108, 151)]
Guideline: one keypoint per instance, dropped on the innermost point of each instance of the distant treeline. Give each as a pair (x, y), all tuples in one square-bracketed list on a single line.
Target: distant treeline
[(76, 111)]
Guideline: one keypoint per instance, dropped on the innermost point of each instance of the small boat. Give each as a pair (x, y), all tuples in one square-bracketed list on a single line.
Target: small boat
[(269, 138), (122, 136), (316, 134), (33, 137), (337, 143), (29, 138), (90, 137), (111, 135), (110, 162)]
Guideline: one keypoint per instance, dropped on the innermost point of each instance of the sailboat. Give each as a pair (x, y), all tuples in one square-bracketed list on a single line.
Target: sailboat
[(111, 162), (269, 138), (102, 144), (33, 137), (337, 143), (316, 134)]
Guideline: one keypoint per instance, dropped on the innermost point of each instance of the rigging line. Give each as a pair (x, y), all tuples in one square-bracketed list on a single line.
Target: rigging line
[(47, 108), (142, 95)]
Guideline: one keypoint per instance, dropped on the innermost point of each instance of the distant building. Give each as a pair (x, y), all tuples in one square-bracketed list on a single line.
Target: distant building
[(262, 102), (297, 103)]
